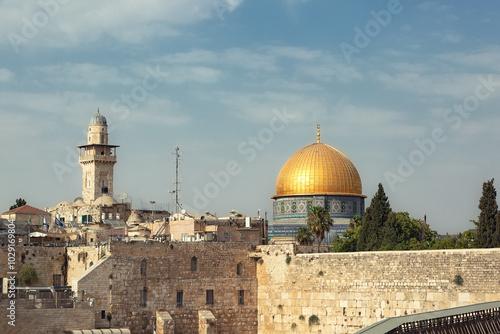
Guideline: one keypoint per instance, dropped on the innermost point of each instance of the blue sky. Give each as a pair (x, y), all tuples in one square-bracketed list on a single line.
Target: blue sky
[(408, 90)]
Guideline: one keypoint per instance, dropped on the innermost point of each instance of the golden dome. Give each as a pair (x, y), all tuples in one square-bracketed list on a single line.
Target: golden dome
[(318, 169)]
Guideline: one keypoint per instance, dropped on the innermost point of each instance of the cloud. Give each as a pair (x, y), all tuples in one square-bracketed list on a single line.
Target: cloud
[(485, 59), (375, 122), (455, 85), (74, 22), (159, 112), (86, 74), (259, 107), (5, 75), (449, 37)]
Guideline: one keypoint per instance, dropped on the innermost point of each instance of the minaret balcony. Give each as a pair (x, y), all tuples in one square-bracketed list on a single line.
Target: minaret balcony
[(101, 158)]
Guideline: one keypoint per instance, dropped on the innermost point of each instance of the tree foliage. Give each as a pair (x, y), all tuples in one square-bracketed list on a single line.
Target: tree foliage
[(19, 202), (487, 223), (319, 223), (304, 237), (371, 232)]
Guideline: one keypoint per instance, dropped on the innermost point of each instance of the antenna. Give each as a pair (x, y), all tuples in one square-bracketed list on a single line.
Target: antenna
[(122, 196), (177, 182)]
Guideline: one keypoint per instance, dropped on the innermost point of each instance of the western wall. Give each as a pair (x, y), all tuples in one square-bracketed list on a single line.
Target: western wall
[(350, 291)]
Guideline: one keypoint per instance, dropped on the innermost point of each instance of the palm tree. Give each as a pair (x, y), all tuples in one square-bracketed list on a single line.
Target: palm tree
[(304, 237), (319, 223)]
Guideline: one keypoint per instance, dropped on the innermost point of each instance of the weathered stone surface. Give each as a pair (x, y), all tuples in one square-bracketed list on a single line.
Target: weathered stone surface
[(349, 291)]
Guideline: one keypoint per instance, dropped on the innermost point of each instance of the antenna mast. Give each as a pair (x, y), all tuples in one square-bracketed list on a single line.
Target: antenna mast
[(177, 156)]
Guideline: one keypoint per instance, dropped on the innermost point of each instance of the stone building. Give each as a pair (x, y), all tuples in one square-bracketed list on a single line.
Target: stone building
[(27, 213), (97, 159), (97, 203), (136, 280), (317, 175)]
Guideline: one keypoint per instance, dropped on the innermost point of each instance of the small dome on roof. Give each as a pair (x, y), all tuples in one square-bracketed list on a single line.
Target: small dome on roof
[(105, 200), (98, 119)]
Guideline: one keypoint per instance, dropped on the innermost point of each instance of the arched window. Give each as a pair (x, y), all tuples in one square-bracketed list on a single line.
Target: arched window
[(194, 263), (144, 265), (239, 269)]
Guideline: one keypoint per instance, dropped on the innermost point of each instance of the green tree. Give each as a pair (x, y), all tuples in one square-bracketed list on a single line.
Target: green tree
[(304, 236), (27, 274), (19, 202), (319, 223), (487, 223), (370, 234), (350, 240)]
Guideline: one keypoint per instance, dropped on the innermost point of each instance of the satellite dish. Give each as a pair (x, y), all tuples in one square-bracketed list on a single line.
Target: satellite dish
[(183, 211), (122, 196)]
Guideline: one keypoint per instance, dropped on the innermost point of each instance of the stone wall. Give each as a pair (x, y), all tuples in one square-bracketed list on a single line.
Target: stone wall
[(95, 285), (47, 261), (135, 296), (47, 321), (81, 259), (349, 291)]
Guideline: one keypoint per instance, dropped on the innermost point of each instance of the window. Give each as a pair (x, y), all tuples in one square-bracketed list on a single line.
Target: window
[(241, 297), (239, 269), (210, 297), (194, 263), (144, 265), (180, 298), (144, 297), (226, 234), (56, 280), (103, 314)]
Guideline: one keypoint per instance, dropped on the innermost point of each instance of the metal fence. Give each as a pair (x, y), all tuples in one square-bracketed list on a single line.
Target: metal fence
[(479, 322)]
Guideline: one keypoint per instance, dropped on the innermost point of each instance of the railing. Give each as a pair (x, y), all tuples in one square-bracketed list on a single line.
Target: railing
[(44, 300), (89, 158), (486, 321)]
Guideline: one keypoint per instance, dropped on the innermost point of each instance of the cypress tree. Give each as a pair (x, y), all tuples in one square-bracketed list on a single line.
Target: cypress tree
[(371, 232), (487, 224)]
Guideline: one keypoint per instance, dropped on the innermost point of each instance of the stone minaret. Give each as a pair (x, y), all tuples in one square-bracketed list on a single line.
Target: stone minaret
[(97, 159)]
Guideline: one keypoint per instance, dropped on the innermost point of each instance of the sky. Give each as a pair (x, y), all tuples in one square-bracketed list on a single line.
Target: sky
[(408, 90)]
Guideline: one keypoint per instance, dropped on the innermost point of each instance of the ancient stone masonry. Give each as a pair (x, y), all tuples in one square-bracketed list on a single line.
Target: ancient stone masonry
[(47, 261), (138, 280), (48, 321), (344, 292)]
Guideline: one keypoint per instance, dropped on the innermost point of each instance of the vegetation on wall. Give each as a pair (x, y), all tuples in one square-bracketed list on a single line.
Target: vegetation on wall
[(313, 320), (27, 275)]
